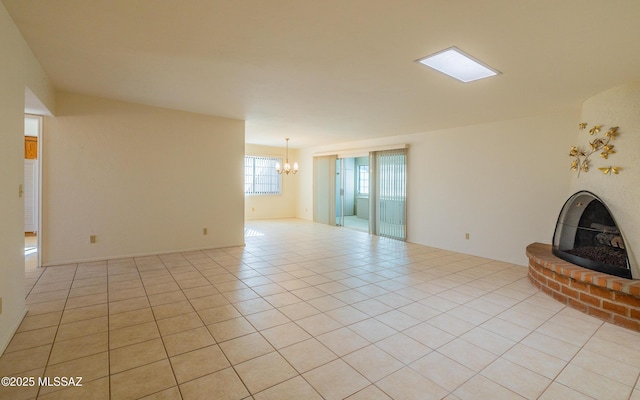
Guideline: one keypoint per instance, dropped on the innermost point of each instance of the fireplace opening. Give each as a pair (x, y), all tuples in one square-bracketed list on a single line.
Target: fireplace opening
[(587, 235)]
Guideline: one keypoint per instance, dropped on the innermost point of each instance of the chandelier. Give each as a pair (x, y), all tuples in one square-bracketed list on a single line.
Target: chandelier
[(287, 167)]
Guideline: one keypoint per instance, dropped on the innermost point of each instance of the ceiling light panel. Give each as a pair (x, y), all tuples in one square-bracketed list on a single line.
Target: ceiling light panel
[(457, 64)]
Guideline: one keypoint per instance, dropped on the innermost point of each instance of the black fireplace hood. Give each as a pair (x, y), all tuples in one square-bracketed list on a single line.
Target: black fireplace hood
[(587, 235)]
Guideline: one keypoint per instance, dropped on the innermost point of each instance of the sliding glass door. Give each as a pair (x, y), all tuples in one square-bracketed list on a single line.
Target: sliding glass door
[(370, 192), (324, 189), (388, 197)]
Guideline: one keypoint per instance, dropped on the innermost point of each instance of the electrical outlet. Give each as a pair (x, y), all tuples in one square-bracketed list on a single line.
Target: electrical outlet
[(205, 231), (466, 236), (92, 238)]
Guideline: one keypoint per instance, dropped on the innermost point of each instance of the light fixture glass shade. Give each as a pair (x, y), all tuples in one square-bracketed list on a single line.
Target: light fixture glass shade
[(287, 167), (455, 63)]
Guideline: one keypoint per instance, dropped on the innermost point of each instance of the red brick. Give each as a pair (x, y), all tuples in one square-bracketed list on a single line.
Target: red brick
[(634, 313), (615, 308), (601, 292), (602, 280), (634, 289), (616, 284), (560, 297), (609, 298), (568, 271), (543, 279), (578, 274), (570, 292), (598, 313), (626, 323), (626, 299), (577, 305), (592, 300), (533, 273), (589, 277), (581, 286), (553, 285), (562, 279)]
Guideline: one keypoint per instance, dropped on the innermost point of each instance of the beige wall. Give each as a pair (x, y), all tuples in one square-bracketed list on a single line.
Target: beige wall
[(504, 183), (274, 206), (19, 70), (144, 180), (620, 107)]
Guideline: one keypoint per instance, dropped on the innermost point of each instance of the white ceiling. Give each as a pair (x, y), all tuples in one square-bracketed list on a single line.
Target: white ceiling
[(331, 71)]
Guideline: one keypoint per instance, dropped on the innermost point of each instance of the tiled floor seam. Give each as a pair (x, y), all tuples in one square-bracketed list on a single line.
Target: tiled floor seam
[(179, 384), (158, 328), (46, 366)]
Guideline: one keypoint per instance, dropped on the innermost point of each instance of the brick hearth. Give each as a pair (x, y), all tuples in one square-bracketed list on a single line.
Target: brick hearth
[(610, 298)]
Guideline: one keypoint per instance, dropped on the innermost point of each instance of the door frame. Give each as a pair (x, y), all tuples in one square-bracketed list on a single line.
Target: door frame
[(40, 119)]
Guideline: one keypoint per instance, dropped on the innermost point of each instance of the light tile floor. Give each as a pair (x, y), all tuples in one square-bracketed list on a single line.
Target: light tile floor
[(32, 273), (307, 311), (354, 222)]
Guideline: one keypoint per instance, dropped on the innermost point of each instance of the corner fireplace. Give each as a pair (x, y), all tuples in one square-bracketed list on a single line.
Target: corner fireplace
[(587, 235)]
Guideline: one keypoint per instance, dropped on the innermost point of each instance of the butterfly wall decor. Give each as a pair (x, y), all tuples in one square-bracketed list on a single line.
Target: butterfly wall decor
[(610, 170), (581, 162)]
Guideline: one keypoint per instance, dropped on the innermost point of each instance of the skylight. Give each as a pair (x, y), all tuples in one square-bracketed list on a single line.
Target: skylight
[(455, 63)]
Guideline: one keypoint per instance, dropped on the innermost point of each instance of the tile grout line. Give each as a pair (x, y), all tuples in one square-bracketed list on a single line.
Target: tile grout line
[(276, 350), (155, 320), (53, 343)]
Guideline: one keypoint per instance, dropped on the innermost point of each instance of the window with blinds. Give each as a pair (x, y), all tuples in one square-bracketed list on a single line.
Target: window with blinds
[(260, 176)]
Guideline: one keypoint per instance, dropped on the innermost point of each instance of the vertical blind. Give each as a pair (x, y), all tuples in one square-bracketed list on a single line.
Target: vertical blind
[(391, 193)]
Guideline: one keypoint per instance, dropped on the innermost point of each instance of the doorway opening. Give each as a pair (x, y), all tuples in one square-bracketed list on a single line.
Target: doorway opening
[(365, 191), (352, 193), (31, 190)]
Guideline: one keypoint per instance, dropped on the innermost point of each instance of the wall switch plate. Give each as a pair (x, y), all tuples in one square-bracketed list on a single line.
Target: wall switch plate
[(92, 238), (0, 305), (205, 231), (466, 236)]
